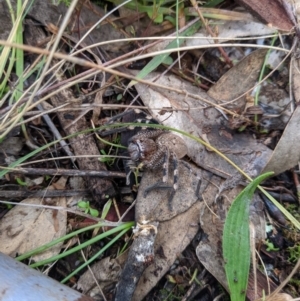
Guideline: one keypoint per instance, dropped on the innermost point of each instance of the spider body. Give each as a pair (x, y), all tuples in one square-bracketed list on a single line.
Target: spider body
[(153, 149), (148, 148)]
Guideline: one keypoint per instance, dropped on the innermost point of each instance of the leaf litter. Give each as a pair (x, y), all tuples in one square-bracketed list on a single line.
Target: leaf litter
[(25, 228), (212, 116)]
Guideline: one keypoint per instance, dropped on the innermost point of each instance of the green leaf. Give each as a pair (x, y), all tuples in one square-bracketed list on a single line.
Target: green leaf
[(83, 204), (236, 241), (212, 3), (94, 212), (106, 209), (168, 60), (21, 182), (119, 97), (171, 20)]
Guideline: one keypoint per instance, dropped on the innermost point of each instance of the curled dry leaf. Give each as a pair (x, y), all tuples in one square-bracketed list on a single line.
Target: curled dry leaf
[(286, 154)]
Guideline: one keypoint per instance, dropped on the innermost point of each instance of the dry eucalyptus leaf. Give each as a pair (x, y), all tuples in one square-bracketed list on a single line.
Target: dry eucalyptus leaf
[(193, 116), (271, 12), (229, 30), (25, 228), (245, 73), (33, 182), (156, 206), (106, 271), (286, 154)]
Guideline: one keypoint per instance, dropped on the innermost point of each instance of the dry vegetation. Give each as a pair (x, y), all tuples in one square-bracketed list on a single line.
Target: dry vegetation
[(223, 77)]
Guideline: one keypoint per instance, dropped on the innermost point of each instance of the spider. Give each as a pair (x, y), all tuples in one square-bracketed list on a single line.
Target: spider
[(152, 149)]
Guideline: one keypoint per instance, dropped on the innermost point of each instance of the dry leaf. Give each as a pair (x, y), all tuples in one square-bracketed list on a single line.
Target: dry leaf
[(106, 271), (198, 117), (286, 154), (271, 12), (229, 30), (25, 228)]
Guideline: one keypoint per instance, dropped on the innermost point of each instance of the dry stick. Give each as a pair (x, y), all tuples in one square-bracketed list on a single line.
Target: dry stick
[(9, 194), (224, 54), (297, 184), (141, 255), (69, 172), (12, 194), (77, 212), (56, 133), (128, 209)]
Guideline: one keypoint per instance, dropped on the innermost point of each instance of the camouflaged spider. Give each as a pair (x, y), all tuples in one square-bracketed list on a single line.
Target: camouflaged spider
[(153, 149)]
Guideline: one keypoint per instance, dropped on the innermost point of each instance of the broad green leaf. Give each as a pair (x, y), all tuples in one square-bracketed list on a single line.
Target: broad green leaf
[(83, 204), (236, 241), (168, 60), (94, 212)]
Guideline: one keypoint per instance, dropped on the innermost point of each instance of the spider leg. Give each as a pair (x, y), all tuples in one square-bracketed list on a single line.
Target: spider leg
[(162, 184), (133, 115), (175, 176), (175, 180), (197, 192), (161, 158), (166, 166), (158, 185)]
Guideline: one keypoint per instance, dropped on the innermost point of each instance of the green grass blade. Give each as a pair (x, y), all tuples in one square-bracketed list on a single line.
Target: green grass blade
[(96, 256), (156, 61), (123, 227), (236, 241), (61, 239)]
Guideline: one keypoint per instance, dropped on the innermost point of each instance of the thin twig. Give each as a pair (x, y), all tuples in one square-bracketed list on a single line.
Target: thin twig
[(69, 172)]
